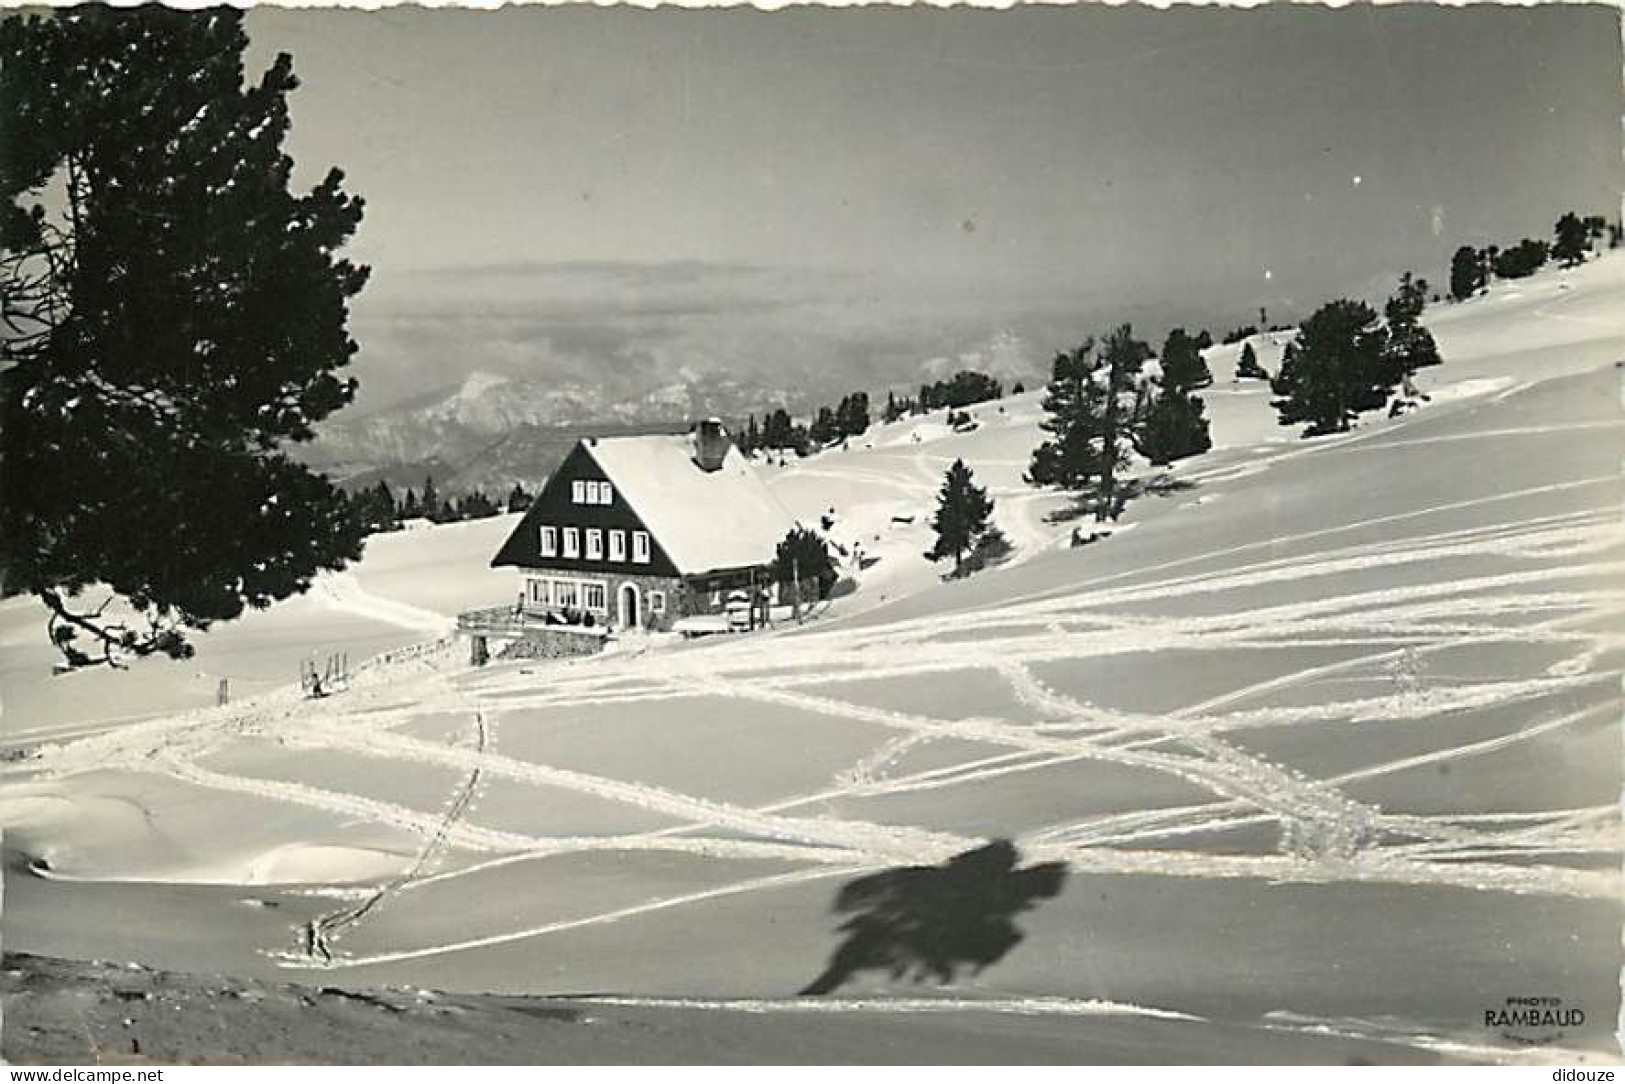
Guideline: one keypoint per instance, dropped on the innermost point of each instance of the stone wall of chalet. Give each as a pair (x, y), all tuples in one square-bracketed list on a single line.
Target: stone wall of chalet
[(552, 643)]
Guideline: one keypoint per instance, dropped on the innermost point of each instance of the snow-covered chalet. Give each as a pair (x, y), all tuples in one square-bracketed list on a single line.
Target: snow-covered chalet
[(635, 533)]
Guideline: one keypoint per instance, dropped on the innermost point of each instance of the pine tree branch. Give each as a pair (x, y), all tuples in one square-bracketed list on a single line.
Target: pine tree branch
[(114, 639)]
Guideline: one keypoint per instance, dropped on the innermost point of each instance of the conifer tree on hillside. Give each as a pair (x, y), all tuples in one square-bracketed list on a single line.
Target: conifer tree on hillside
[(429, 502), (383, 504), (1092, 406), (1173, 423), (1068, 459), (1334, 369), (893, 410), (1123, 356), (803, 559), (963, 516), (778, 431), (1522, 259), (475, 505), (1174, 427), (966, 388), (1573, 241), (823, 428), (518, 498), (1247, 368), (1409, 346), (1183, 367), (375, 506), (410, 508), (1466, 272), (852, 417), (175, 319), (1596, 228)]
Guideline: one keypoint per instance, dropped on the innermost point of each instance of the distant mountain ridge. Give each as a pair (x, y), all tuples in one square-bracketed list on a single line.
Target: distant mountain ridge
[(492, 431)]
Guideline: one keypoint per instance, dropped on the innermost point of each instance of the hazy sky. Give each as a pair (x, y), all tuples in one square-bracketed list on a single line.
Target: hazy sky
[(850, 194)]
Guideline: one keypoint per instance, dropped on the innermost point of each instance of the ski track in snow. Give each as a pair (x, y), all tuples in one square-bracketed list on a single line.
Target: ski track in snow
[(1005, 642), (1385, 592), (343, 591)]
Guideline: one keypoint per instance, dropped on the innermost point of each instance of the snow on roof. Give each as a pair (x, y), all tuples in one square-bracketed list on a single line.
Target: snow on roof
[(704, 520)]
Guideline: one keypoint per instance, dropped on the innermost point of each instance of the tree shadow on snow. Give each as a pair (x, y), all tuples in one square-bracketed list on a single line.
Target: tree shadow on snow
[(1130, 489), (1166, 485), (930, 921)]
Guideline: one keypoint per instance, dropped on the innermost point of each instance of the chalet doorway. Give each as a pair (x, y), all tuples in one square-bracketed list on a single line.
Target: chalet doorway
[(629, 607)]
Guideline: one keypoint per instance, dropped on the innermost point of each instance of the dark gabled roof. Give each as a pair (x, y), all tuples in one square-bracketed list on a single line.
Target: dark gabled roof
[(702, 521)]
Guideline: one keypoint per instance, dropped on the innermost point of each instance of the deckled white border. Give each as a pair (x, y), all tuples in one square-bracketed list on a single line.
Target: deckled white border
[(992, 5)]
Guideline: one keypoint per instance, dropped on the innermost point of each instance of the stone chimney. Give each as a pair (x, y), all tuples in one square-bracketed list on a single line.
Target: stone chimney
[(711, 444)]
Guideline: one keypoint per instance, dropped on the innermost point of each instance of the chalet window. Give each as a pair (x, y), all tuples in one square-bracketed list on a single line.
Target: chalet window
[(595, 544), (566, 594), (617, 545), (539, 593), (572, 542), (657, 602), (593, 597), (550, 541), (591, 491), (640, 547)]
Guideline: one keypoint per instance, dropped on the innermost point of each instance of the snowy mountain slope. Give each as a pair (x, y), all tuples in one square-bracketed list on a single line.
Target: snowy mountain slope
[(882, 488), (1328, 742)]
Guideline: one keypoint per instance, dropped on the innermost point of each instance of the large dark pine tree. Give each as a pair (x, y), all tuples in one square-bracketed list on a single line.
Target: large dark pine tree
[(1409, 346), (1572, 240), (1522, 259), (1466, 272), (1183, 366), (1124, 357), (1093, 407), (823, 428), (1247, 368), (852, 416), (778, 431), (963, 515), (1173, 423), (1174, 426), (803, 559), (1333, 370), (1068, 460), (175, 316)]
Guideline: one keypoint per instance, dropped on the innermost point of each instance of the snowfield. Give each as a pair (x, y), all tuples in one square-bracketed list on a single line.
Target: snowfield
[(1328, 737)]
